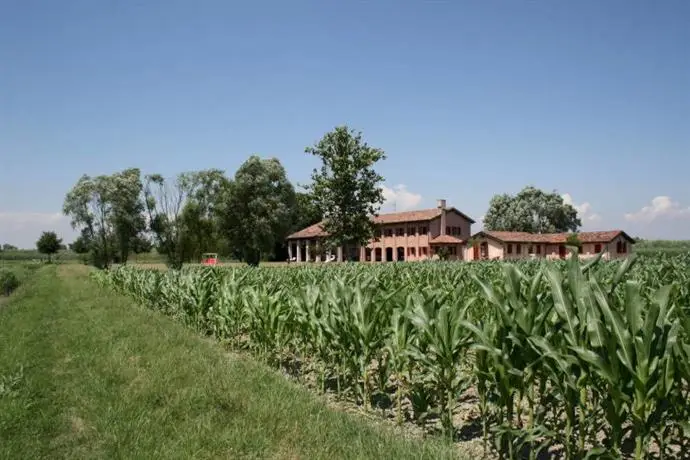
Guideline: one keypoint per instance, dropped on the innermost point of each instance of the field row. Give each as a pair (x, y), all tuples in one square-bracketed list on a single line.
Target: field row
[(559, 357)]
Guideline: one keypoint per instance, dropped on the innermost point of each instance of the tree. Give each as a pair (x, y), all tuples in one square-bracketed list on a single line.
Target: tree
[(82, 246), (304, 214), (181, 212), (531, 210), (346, 189), (257, 210), (89, 204), (49, 244), (165, 200), (201, 231), (306, 211), (128, 220), (9, 247)]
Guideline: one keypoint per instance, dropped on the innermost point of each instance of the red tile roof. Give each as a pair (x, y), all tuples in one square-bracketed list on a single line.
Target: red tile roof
[(446, 239), (422, 215), (554, 238), (310, 232)]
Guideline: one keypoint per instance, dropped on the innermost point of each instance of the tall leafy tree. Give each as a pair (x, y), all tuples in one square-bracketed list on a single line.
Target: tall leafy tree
[(89, 204), (346, 188), (49, 244), (258, 208), (531, 210), (165, 199), (129, 221), (200, 225)]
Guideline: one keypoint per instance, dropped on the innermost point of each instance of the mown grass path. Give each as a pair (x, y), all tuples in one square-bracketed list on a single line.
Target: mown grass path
[(103, 378)]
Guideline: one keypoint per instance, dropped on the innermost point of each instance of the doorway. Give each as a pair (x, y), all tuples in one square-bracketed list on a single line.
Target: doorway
[(389, 254), (561, 251), (401, 254)]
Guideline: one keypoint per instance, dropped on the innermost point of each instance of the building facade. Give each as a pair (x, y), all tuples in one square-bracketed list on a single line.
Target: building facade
[(410, 235), (488, 245)]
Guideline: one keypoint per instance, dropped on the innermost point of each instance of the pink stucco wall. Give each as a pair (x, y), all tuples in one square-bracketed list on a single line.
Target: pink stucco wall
[(499, 250), (414, 237)]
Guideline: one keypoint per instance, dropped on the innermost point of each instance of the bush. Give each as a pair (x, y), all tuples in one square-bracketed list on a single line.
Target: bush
[(8, 281)]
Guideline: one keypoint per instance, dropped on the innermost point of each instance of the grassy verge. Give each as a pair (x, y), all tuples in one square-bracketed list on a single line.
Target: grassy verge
[(86, 374)]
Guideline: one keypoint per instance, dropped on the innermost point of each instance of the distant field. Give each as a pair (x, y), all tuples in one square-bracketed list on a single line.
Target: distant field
[(663, 246)]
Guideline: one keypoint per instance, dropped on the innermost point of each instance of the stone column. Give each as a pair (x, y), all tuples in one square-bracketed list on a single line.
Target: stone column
[(340, 253), (383, 246), (308, 258), (362, 253), (290, 251), (299, 251), (318, 251)]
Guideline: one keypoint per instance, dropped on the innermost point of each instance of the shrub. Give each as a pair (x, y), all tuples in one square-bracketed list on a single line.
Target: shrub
[(8, 281)]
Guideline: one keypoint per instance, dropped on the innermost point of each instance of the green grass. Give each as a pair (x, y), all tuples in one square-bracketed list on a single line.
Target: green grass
[(103, 378)]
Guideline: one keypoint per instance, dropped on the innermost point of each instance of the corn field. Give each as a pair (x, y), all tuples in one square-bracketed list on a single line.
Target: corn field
[(562, 358)]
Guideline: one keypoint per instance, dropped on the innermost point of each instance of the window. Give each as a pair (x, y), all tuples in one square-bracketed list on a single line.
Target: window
[(424, 251), (447, 230), (388, 232), (411, 252), (453, 250), (530, 249), (399, 231), (621, 246), (597, 248), (510, 248), (422, 231), (539, 249), (518, 249)]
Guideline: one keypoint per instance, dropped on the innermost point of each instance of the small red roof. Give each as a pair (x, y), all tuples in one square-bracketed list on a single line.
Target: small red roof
[(554, 238), (446, 239)]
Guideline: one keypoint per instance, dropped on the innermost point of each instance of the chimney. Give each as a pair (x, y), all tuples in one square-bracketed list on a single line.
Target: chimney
[(442, 207)]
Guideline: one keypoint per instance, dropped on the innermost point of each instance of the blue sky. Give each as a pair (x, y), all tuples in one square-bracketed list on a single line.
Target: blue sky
[(468, 99)]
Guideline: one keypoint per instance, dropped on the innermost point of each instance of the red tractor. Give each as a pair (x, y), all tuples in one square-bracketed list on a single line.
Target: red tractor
[(209, 258)]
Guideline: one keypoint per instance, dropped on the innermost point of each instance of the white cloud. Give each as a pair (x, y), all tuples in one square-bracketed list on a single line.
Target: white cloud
[(22, 229), (399, 198), (584, 210), (661, 207)]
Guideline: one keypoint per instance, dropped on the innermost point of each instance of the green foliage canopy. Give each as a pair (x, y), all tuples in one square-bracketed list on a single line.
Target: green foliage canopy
[(258, 208), (49, 244), (531, 210), (346, 188)]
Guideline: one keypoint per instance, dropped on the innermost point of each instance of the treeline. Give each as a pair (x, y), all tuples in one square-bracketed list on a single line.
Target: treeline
[(245, 217)]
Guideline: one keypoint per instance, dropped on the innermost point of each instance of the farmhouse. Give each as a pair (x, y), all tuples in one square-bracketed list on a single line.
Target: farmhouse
[(517, 245), (411, 235), (423, 234)]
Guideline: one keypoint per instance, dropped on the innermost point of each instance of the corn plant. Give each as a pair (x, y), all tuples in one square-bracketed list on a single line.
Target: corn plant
[(583, 358)]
